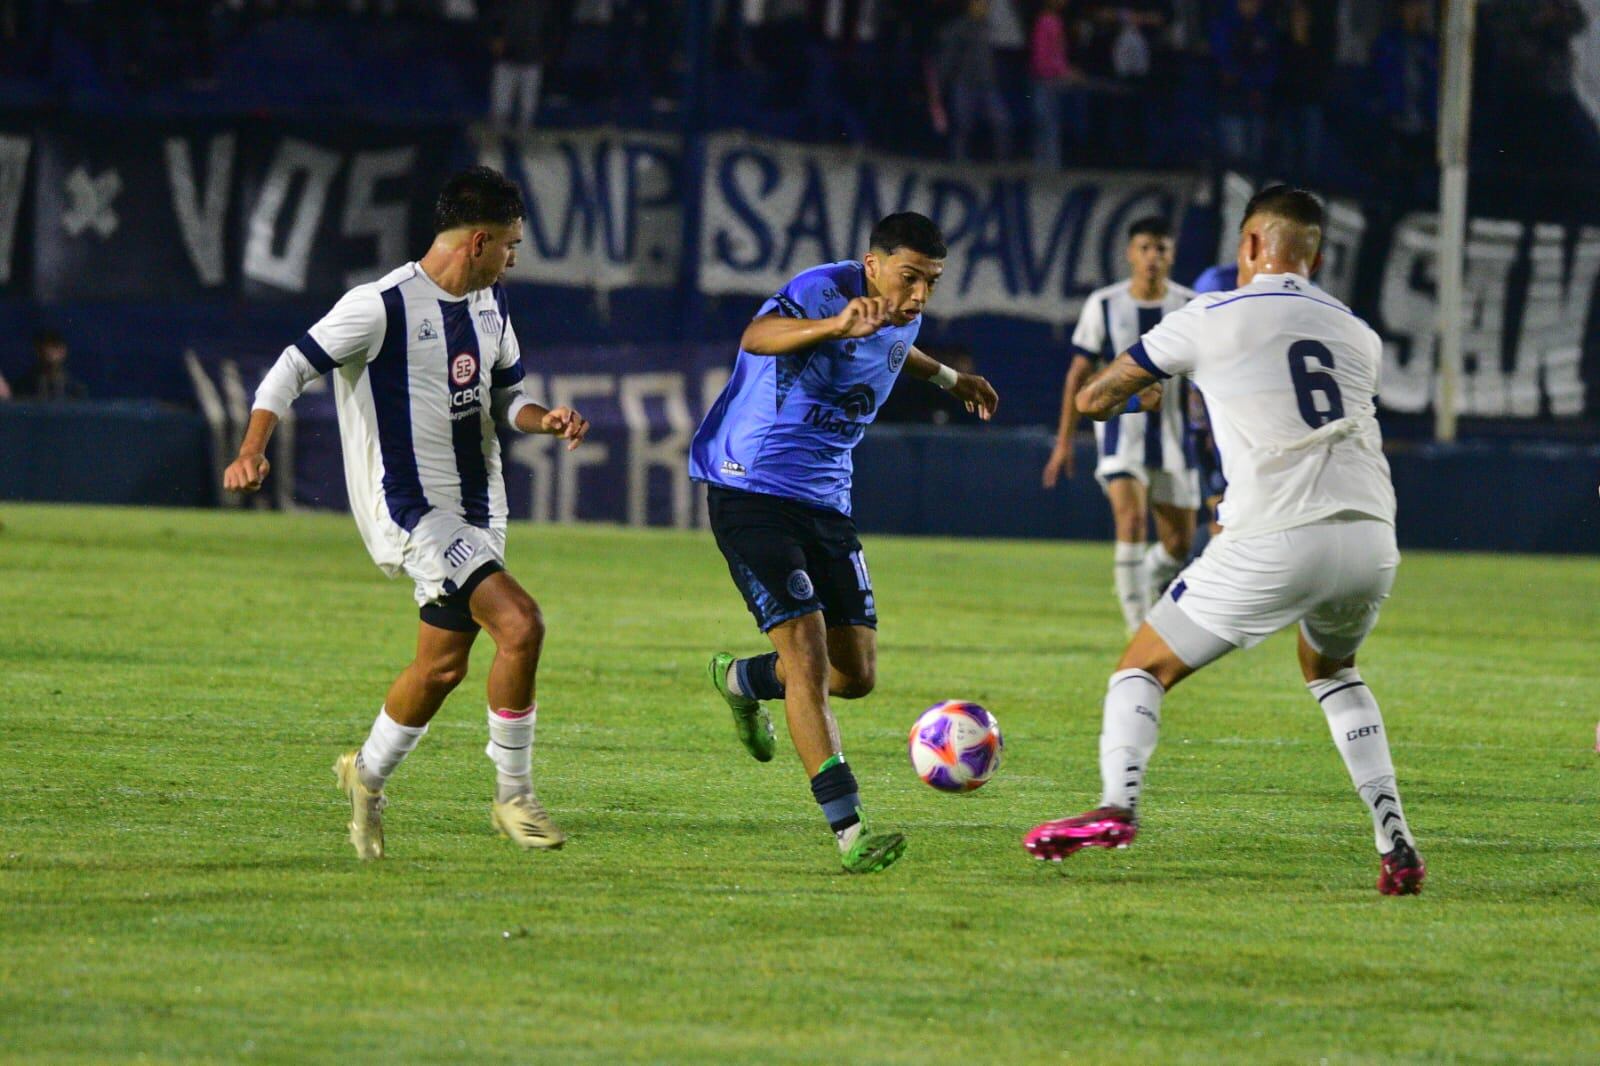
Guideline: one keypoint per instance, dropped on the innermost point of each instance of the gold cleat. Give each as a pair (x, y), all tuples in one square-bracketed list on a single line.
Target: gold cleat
[(366, 808), (524, 819)]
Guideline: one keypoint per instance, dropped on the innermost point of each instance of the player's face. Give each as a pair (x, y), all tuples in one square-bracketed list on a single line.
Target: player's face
[(906, 279), (494, 251), (1150, 257)]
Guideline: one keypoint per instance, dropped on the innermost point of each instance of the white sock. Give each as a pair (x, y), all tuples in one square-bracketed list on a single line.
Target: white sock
[(1132, 718), (1357, 728), (511, 750), (1159, 568), (386, 745), (1133, 588), (731, 679)]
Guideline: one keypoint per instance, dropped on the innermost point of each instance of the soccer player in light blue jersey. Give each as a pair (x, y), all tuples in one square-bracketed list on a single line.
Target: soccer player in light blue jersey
[(814, 366)]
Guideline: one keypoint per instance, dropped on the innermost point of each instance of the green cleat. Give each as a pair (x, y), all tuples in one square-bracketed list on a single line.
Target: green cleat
[(874, 852), (750, 719)]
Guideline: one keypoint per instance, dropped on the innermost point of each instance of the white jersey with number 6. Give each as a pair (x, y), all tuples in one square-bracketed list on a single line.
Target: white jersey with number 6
[(1290, 379)]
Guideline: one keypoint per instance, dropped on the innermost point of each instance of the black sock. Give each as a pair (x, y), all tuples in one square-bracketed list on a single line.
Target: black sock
[(835, 790), (758, 676)]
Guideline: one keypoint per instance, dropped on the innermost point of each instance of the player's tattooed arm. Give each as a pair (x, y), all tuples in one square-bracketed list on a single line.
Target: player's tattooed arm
[(777, 334), (971, 389), (1106, 395)]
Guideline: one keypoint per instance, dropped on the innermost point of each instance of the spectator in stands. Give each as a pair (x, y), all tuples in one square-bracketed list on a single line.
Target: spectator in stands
[(48, 379), (1244, 45), (966, 64), (1058, 95), (520, 44), (1305, 71), (1405, 61), (5, 389)]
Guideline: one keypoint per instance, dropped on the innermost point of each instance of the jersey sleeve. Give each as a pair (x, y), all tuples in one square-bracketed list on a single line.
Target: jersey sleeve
[(352, 331), (1173, 346), (802, 297), (1089, 339), (349, 333), (506, 394)]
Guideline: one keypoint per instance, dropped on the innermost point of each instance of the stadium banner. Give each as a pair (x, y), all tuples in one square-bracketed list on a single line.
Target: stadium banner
[(643, 403), (17, 139), (128, 211), (1531, 293), (604, 206), (1024, 242), (322, 209)]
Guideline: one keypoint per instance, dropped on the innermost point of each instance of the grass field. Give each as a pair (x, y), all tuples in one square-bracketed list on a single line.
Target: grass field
[(175, 883)]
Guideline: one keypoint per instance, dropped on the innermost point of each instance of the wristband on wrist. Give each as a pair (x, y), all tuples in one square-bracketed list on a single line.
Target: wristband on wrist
[(945, 377)]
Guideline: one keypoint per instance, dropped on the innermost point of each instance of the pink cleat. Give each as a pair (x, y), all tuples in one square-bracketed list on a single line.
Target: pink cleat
[(1103, 827), (1403, 871)]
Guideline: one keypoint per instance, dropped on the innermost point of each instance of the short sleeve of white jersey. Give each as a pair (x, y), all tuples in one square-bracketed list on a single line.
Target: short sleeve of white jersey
[(505, 377), (1089, 339), (352, 331), (1173, 346)]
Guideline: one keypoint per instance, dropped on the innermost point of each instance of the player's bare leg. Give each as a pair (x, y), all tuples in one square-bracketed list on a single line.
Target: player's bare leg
[(1174, 540), (852, 662), (414, 698), (512, 619), (1357, 727), (1129, 727), (1130, 517), (803, 646)]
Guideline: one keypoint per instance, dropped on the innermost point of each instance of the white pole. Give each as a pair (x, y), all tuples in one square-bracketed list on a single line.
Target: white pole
[(1455, 113)]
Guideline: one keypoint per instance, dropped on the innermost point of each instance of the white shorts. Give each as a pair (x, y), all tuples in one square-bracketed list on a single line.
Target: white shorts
[(443, 551), (1331, 577), (1175, 488)]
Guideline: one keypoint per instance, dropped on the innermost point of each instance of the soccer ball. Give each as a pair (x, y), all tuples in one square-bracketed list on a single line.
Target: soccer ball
[(956, 746)]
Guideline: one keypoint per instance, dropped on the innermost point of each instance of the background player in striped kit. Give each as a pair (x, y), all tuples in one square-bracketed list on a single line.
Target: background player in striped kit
[(425, 363), (1146, 460)]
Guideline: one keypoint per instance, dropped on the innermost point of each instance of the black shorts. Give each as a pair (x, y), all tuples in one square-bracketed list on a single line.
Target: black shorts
[(790, 559), (452, 611)]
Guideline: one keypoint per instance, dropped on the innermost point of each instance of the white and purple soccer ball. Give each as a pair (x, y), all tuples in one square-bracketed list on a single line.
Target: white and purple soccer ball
[(956, 746)]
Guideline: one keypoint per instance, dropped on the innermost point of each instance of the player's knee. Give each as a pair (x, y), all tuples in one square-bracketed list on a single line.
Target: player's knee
[(858, 683), (443, 675), (522, 631)]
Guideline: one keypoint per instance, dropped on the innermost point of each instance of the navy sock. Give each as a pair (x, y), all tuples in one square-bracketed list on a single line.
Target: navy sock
[(758, 676), (836, 793)]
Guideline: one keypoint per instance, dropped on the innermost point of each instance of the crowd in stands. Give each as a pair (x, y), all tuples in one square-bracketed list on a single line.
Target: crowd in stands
[(1297, 85)]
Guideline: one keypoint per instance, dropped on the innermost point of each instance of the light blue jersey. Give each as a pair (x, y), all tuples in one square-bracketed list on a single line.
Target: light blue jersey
[(785, 425)]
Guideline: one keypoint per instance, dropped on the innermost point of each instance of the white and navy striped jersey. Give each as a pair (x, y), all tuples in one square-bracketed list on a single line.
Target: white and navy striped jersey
[(1290, 377), (417, 375), (1112, 320)]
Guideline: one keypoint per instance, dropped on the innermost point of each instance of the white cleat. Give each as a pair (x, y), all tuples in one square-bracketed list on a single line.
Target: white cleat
[(366, 808), (524, 819)]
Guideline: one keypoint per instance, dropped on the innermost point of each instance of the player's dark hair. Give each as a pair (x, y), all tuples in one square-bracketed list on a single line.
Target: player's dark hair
[(1151, 226), (907, 229), (1288, 202), (475, 196)]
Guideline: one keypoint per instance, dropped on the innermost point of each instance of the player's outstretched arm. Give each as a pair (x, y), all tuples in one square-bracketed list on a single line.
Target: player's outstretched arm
[(777, 334), (1062, 460), (250, 469), (1108, 393), (970, 389)]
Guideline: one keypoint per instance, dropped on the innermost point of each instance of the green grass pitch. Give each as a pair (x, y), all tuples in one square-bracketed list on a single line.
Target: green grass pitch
[(175, 884)]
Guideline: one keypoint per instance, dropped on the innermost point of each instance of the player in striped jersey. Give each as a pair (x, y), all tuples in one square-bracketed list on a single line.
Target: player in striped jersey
[(1147, 460), (424, 364)]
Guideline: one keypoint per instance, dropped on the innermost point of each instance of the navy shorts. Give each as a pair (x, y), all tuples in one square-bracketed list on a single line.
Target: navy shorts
[(790, 559)]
